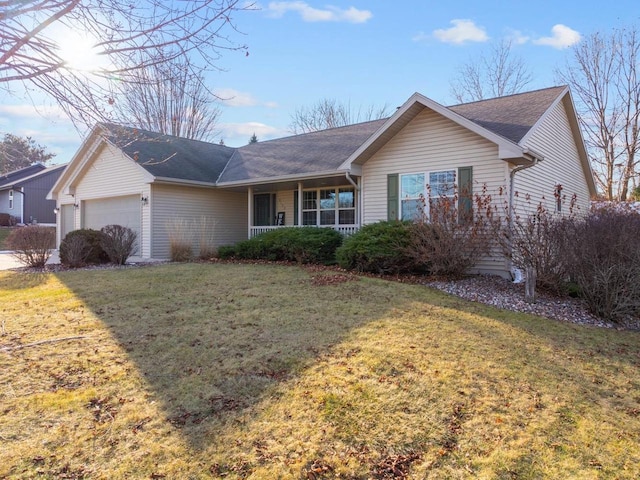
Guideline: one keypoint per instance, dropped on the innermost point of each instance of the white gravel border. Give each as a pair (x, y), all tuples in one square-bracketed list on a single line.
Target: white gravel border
[(502, 293)]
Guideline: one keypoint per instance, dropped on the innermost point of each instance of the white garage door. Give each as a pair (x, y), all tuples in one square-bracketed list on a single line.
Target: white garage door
[(125, 211)]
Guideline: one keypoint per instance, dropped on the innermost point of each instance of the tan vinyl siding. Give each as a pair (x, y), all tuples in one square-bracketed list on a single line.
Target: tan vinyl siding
[(112, 174), (284, 203), (429, 143), (561, 165), (227, 210)]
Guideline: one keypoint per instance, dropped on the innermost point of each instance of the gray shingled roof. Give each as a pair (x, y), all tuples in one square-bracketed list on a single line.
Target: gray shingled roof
[(9, 179), (511, 116), (167, 156), (172, 157), (308, 153)]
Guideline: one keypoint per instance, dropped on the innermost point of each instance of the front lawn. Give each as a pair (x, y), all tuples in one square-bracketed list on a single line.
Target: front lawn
[(267, 371)]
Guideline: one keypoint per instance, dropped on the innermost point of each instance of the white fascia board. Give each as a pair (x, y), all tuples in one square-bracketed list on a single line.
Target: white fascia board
[(506, 148), (283, 178), (178, 181), (76, 164), (543, 117)]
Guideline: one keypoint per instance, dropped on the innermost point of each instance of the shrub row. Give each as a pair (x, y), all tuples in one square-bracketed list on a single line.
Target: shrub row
[(596, 257), (302, 245)]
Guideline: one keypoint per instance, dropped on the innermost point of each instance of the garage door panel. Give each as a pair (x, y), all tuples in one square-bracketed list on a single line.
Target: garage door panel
[(125, 211)]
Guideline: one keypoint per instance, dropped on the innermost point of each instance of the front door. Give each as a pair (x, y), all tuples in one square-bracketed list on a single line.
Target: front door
[(264, 209)]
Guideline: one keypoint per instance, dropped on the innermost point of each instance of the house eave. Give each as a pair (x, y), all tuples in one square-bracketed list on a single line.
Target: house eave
[(180, 181), (283, 178)]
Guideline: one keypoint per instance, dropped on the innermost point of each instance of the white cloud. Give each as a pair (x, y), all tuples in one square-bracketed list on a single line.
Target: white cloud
[(328, 14), (242, 130), (420, 36), (27, 111), (516, 37), (461, 32), (235, 98), (561, 37)]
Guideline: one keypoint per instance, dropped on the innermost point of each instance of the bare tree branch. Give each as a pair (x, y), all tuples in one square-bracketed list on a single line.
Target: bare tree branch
[(129, 36), (329, 113), (171, 99), (603, 74), (494, 74)]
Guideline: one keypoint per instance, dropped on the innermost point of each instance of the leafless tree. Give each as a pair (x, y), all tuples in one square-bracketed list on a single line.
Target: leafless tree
[(603, 73), (329, 113), (494, 74), (121, 32), (168, 98)]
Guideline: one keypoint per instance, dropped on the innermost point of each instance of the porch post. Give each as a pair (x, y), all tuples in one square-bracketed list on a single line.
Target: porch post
[(249, 210), (299, 204), (359, 203)]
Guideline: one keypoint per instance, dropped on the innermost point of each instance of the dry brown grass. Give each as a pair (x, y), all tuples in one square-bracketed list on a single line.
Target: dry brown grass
[(261, 371)]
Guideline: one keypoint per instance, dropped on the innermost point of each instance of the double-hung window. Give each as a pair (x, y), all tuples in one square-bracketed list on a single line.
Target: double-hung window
[(442, 191), (10, 199), (421, 193), (412, 190)]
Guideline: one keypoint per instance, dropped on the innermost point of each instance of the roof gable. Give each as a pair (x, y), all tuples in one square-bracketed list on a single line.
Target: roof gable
[(170, 157)]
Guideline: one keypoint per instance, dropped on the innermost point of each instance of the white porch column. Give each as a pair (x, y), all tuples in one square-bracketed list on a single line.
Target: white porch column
[(359, 204), (249, 210), (299, 204)]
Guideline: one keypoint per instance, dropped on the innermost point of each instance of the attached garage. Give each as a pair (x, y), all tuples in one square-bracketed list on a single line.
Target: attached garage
[(125, 211)]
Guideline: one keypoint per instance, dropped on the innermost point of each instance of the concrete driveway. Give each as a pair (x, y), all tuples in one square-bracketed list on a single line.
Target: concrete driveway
[(8, 261)]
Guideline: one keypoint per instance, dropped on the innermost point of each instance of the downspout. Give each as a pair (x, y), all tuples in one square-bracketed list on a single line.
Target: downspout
[(512, 176), (357, 187)]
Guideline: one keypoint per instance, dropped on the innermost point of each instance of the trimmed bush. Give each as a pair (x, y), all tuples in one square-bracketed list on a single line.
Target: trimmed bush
[(302, 245), (380, 247), (118, 242), (82, 247), (226, 251), (32, 245)]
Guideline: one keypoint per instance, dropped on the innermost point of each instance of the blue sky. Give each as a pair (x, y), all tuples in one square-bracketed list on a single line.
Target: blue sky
[(363, 53)]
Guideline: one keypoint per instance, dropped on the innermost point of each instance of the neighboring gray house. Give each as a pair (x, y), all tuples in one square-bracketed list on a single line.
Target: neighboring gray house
[(23, 193), (339, 178)]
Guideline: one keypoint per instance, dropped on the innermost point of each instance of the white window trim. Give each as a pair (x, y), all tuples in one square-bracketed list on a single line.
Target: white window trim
[(11, 200), (425, 191), (336, 209)]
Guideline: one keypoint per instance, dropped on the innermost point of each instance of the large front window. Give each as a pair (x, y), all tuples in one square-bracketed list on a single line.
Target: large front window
[(328, 206)]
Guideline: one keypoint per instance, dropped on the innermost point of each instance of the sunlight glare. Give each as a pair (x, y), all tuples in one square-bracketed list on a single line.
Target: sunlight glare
[(79, 54)]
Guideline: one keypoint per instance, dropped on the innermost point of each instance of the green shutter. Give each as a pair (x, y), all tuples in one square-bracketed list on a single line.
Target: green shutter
[(295, 207), (392, 197), (465, 194)]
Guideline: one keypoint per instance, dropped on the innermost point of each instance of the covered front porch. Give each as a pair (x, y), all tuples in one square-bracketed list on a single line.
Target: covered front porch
[(327, 202)]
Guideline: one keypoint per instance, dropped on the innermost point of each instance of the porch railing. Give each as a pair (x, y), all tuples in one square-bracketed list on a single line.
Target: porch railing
[(345, 230)]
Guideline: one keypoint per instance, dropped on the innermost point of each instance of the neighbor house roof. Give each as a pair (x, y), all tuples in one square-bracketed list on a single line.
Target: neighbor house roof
[(8, 180), (46, 171), (170, 157)]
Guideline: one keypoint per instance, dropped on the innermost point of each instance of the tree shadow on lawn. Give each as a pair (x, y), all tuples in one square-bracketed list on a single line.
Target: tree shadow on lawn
[(219, 345), (212, 340)]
